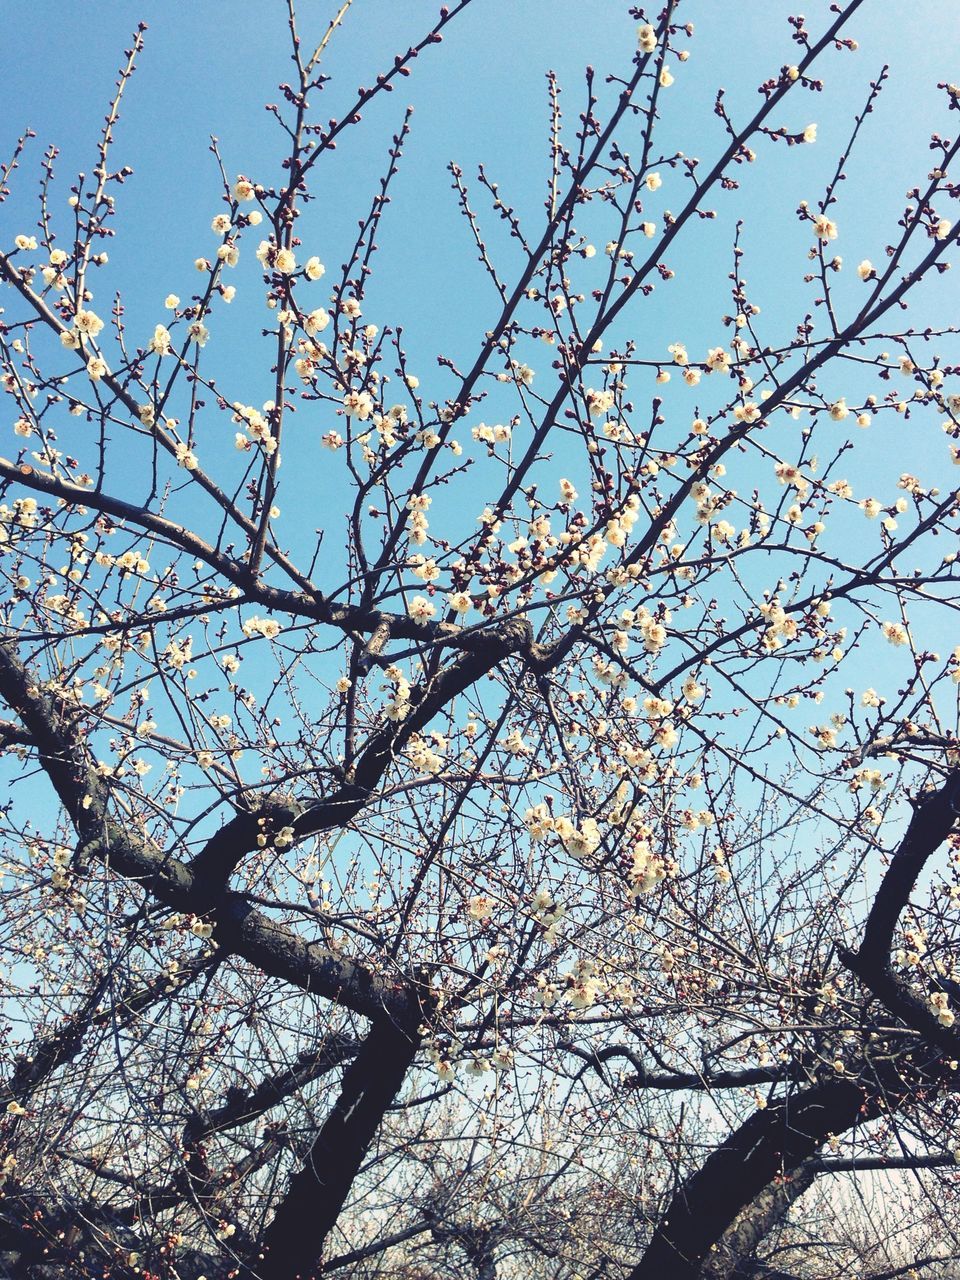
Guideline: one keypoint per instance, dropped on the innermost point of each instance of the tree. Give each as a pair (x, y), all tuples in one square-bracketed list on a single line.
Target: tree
[(437, 879)]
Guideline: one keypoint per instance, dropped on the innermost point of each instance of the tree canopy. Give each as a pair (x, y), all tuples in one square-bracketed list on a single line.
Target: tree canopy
[(490, 816)]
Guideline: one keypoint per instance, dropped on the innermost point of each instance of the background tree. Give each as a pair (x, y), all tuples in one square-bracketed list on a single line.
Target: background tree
[(446, 875)]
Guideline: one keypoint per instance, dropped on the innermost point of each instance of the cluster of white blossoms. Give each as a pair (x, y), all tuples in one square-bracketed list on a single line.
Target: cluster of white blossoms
[(52, 274), (539, 822), (200, 928), (589, 552), (580, 842), (914, 946), (895, 632), (257, 427), (277, 258), (707, 501), (388, 423), (780, 625), (186, 457), (718, 360), (480, 907), (66, 608), (311, 354), (871, 778), (418, 504), (620, 525), (442, 1064), (548, 912), (521, 372), (824, 228), (195, 1080), (424, 568), (608, 673), (256, 626), (86, 324), (60, 874), (839, 410), (658, 711), (358, 404), (502, 1058), (826, 734), (583, 985), (720, 868), (421, 609), (127, 562), (647, 869), (514, 744), (460, 601), (398, 699), (315, 322), (423, 752), (179, 655), (499, 433), (22, 514), (598, 402), (653, 629), (939, 1003), (749, 412), (646, 38), (547, 993), (161, 342)]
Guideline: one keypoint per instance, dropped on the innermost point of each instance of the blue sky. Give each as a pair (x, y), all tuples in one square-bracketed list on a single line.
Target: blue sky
[(209, 68)]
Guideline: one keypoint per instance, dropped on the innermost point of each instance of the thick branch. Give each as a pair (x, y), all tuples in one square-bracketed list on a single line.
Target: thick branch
[(217, 861), (733, 1260), (242, 1107), (770, 1144), (683, 1080), (294, 1240), (49, 1052), (934, 818), (241, 929)]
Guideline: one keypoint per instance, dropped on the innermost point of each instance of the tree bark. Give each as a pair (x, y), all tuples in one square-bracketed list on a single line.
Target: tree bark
[(294, 1240), (770, 1144), (735, 1258)]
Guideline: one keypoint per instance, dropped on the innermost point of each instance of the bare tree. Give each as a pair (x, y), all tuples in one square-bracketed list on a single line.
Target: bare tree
[(446, 882)]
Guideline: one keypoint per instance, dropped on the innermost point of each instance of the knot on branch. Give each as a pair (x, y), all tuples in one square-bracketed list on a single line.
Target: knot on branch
[(374, 647)]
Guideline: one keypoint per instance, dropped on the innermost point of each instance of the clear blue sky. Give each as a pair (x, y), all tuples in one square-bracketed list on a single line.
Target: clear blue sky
[(208, 69)]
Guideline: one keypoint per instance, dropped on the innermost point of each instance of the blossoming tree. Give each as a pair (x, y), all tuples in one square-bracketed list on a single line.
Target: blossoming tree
[(562, 817)]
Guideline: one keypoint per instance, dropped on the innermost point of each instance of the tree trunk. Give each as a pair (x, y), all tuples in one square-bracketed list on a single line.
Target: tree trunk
[(770, 1144), (739, 1243), (294, 1240)]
